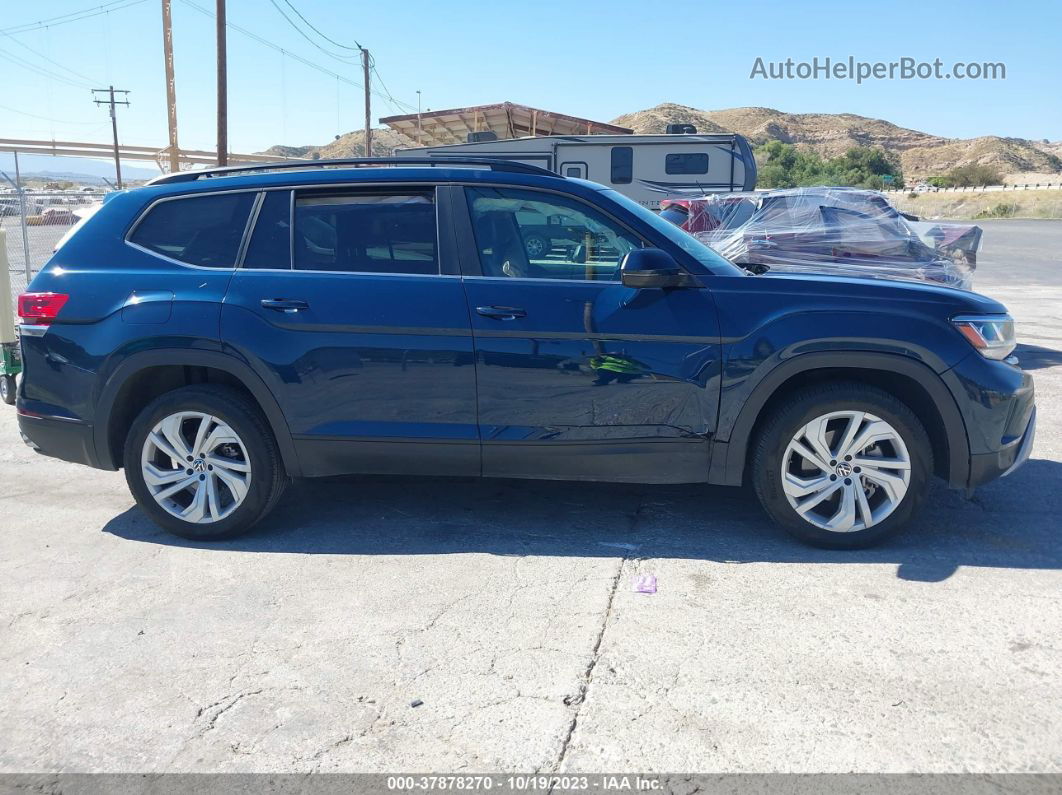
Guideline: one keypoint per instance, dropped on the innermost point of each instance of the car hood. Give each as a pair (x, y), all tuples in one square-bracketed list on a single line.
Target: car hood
[(870, 289)]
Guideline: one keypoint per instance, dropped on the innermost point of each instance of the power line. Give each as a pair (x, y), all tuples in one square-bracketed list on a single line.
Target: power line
[(397, 104), (272, 46), (45, 57), (301, 32), (40, 70), (319, 33), (387, 96), (74, 16), (48, 118)]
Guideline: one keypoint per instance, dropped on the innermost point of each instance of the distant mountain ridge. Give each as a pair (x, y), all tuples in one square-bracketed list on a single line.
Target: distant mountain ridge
[(74, 169), (829, 134)]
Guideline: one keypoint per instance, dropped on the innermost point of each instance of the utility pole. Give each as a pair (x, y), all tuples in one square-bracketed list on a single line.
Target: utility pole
[(171, 87), (368, 102), (223, 90), (112, 102), (418, 117)]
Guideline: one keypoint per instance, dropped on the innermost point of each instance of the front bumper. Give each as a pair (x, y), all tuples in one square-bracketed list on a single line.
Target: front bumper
[(989, 466), (997, 401)]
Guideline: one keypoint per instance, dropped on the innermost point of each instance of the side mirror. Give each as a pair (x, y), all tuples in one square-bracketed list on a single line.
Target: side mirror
[(653, 268)]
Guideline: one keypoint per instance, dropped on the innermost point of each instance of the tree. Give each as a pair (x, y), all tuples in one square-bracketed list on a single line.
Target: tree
[(782, 165), (971, 174)]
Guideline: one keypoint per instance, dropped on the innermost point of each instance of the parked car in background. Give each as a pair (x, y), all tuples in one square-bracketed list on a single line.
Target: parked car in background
[(52, 216), (827, 230), (219, 332)]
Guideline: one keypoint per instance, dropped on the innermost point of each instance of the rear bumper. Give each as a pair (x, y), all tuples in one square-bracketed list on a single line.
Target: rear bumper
[(59, 437)]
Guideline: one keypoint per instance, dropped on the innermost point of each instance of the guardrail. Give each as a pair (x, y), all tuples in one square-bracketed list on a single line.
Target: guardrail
[(982, 188)]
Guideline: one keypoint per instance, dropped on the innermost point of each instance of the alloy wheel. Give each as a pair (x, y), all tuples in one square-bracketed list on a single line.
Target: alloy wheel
[(196, 467), (846, 471), (536, 247)]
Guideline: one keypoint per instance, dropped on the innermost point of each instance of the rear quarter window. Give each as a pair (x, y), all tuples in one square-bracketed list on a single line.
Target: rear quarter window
[(196, 230)]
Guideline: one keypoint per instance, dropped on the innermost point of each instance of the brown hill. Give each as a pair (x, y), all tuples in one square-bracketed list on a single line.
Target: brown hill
[(829, 134), (655, 120), (350, 145)]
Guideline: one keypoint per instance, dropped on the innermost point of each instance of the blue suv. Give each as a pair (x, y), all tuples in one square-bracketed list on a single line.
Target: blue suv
[(217, 333)]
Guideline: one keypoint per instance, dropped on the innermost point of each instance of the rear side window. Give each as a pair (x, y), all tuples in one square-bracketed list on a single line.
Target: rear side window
[(686, 163), (270, 244), (366, 233), (196, 230), (622, 165)]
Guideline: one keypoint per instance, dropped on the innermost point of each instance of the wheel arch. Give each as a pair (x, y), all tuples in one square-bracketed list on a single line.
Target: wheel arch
[(909, 380), (145, 375)]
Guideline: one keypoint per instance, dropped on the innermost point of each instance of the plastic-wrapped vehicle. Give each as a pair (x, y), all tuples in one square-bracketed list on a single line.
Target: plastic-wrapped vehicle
[(848, 231)]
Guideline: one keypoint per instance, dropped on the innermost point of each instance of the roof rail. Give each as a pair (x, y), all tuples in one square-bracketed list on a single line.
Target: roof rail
[(285, 165)]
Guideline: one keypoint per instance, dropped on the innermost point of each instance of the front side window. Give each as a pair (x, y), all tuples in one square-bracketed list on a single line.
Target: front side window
[(622, 165), (533, 235), (196, 230), (686, 163), (358, 232), (708, 257)]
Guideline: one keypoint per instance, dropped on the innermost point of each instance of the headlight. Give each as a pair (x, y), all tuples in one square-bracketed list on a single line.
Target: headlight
[(992, 335)]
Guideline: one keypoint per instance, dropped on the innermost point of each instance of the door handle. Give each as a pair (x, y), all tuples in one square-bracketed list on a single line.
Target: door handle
[(289, 305), (501, 312)]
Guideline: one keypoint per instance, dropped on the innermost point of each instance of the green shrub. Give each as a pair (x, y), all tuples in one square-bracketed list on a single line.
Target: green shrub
[(972, 175), (1001, 210), (782, 165)]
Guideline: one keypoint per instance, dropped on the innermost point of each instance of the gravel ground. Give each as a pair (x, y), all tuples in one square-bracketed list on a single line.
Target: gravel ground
[(507, 609)]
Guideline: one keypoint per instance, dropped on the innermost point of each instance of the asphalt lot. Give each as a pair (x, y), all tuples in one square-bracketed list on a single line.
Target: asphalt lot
[(507, 608)]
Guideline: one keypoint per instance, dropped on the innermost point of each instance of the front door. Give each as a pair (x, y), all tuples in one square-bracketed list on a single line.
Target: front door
[(579, 376), (351, 310)]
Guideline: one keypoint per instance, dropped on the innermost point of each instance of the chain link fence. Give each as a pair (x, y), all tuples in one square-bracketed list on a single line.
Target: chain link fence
[(35, 221)]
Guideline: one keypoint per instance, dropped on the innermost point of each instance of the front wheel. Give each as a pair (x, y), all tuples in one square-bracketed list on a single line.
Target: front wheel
[(843, 465), (202, 462), (537, 246)]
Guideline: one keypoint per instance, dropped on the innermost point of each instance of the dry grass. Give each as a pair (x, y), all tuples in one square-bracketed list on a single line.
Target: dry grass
[(991, 204)]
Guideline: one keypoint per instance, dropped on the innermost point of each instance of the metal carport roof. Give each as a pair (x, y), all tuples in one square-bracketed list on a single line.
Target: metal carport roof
[(504, 119)]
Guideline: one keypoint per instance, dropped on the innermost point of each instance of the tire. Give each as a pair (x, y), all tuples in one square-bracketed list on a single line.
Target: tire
[(891, 495), (7, 389), (537, 246), (236, 472)]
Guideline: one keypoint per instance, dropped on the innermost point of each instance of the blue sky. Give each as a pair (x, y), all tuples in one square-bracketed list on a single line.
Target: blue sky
[(592, 58)]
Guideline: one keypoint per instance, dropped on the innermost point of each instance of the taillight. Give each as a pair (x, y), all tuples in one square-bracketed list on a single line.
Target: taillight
[(40, 309)]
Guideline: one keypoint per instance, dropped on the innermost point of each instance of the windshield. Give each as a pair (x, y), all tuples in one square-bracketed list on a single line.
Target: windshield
[(691, 245)]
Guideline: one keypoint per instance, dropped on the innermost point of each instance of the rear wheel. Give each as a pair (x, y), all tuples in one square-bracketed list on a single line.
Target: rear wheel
[(842, 465), (202, 462), (7, 389)]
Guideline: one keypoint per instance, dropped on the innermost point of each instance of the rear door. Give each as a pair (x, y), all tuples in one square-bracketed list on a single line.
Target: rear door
[(348, 304), (578, 376)]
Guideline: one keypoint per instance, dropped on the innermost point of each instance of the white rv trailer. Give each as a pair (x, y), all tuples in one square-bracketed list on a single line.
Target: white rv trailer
[(647, 168)]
